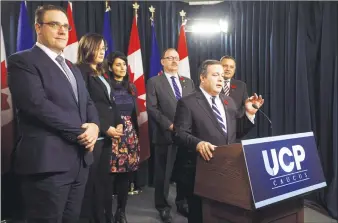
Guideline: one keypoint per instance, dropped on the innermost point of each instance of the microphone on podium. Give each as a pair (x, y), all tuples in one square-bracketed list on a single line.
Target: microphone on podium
[(255, 106)]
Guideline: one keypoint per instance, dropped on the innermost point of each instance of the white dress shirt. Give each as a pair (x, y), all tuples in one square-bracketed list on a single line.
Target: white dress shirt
[(52, 55), (219, 105), (177, 81)]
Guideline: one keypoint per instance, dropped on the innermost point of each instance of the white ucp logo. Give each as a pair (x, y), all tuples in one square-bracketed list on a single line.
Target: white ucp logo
[(297, 152)]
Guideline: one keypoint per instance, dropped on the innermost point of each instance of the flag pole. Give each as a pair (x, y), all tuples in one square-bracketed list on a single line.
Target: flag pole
[(107, 7), (152, 11), (183, 15), (136, 7)]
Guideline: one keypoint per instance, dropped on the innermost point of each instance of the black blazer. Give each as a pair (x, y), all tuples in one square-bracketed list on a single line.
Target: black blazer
[(49, 118), (109, 114), (196, 122)]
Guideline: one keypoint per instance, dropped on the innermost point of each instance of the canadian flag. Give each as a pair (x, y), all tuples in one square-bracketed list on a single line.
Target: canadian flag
[(182, 49), (7, 123), (135, 70), (71, 49)]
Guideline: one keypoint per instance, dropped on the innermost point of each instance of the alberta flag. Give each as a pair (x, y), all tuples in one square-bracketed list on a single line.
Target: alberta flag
[(155, 58), (107, 32), (24, 39)]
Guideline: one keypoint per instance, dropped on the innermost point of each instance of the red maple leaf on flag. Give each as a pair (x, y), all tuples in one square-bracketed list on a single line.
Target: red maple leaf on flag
[(4, 102)]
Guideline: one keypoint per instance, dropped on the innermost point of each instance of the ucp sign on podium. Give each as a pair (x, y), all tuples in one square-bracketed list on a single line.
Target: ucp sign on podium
[(283, 166)]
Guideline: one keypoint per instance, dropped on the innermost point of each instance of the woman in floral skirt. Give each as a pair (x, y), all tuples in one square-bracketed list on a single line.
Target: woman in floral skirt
[(125, 151)]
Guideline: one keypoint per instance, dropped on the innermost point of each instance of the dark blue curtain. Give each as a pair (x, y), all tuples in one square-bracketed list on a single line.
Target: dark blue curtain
[(285, 51)]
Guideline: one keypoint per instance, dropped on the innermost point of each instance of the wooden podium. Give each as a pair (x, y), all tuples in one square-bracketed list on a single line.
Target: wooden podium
[(224, 187)]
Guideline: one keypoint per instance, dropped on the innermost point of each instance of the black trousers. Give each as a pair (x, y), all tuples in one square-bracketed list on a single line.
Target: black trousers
[(165, 156), (97, 187), (54, 197)]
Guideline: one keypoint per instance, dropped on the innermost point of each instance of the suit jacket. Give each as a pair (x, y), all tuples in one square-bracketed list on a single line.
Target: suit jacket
[(238, 92), (161, 105), (196, 122), (109, 114), (49, 118)]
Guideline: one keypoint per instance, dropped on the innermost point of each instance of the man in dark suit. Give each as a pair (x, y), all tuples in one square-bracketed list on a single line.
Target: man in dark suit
[(232, 87), (163, 92), (236, 89), (57, 121), (206, 119)]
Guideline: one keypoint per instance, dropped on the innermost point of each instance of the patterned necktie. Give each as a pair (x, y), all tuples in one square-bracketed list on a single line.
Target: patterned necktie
[(226, 88), (176, 89), (218, 114), (69, 74)]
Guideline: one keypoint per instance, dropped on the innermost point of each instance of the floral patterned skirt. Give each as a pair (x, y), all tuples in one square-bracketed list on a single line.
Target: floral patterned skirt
[(125, 155)]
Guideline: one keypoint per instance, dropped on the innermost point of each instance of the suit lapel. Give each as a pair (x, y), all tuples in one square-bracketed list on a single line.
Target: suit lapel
[(102, 86), (232, 89), (202, 101), (183, 85), (51, 64), (167, 87), (76, 76)]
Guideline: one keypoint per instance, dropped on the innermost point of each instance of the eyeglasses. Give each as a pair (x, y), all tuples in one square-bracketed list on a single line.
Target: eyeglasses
[(172, 58), (57, 25)]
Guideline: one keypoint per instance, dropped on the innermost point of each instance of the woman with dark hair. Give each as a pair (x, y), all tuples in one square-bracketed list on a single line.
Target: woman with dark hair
[(90, 60), (125, 152)]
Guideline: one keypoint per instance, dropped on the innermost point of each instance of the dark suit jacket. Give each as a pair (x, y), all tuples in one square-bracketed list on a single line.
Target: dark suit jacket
[(238, 92), (196, 122), (109, 114), (161, 105), (49, 118)]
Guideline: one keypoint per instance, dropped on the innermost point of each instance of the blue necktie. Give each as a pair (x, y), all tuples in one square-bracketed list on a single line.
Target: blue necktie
[(69, 74), (176, 89), (218, 114)]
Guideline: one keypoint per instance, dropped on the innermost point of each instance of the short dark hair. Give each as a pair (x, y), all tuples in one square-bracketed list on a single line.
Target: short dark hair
[(227, 57), (203, 70), (41, 10), (89, 45), (165, 51)]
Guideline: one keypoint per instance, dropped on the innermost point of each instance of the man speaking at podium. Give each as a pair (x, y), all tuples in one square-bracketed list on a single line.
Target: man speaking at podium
[(206, 119)]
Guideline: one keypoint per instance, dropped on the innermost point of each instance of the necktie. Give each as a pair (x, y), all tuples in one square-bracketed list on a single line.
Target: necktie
[(218, 114), (226, 88), (69, 74), (176, 89)]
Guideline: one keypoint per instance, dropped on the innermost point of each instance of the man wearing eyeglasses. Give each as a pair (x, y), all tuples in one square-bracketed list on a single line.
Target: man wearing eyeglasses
[(57, 123), (163, 92)]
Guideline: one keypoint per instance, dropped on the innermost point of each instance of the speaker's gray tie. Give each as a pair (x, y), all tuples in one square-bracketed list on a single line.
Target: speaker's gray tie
[(69, 74)]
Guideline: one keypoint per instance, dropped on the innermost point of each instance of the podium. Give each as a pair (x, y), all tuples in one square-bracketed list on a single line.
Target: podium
[(226, 189)]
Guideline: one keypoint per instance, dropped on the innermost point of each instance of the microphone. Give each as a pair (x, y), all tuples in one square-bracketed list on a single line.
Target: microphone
[(255, 106)]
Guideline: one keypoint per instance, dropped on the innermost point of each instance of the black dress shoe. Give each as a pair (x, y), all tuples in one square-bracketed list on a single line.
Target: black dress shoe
[(120, 217), (183, 209), (165, 216)]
